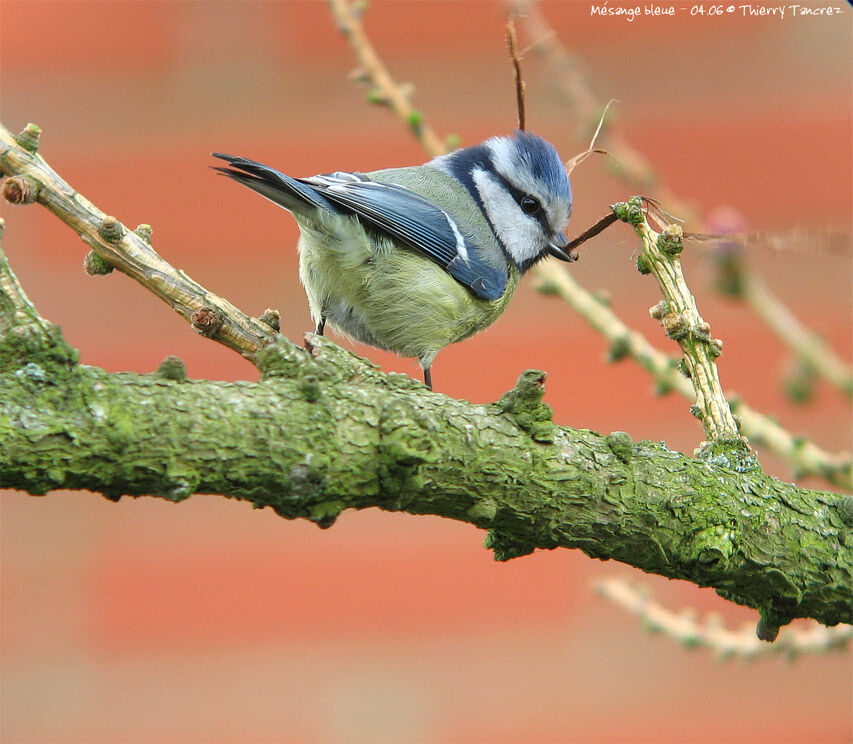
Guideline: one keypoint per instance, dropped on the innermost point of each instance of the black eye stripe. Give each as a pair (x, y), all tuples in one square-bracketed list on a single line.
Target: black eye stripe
[(538, 214)]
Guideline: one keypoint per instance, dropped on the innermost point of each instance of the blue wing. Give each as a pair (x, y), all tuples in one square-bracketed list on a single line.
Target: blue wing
[(416, 222), (394, 210)]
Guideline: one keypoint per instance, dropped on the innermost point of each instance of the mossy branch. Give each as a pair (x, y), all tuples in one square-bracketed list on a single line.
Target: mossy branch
[(331, 433), (325, 431)]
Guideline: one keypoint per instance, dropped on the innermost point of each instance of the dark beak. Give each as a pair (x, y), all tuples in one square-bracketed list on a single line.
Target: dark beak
[(557, 245)]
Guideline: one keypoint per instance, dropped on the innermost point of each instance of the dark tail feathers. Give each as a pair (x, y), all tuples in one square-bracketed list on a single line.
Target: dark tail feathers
[(290, 193)]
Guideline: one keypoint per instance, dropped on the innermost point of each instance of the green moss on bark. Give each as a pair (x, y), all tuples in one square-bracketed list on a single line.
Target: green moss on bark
[(311, 448)]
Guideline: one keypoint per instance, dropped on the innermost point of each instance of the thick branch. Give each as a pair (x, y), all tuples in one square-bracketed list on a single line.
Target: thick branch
[(335, 435), (326, 432)]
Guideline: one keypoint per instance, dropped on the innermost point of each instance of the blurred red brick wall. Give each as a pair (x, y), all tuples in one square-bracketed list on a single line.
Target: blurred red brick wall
[(144, 621)]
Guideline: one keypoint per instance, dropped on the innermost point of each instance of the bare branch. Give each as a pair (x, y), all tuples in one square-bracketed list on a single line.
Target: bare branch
[(661, 256), (347, 17), (711, 633), (326, 433), (130, 251), (512, 43)]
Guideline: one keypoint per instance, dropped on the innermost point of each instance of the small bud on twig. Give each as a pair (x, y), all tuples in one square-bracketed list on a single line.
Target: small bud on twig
[(20, 190), (111, 230), (662, 387), (671, 240), (675, 325), (95, 265), (144, 231), (452, 141), (659, 310), (173, 368), (524, 403), (619, 348), (415, 121), (272, 318), (715, 348), (377, 97), (766, 630), (206, 321), (29, 138), (621, 445)]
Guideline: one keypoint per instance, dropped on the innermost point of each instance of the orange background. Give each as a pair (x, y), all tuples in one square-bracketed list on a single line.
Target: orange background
[(208, 621)]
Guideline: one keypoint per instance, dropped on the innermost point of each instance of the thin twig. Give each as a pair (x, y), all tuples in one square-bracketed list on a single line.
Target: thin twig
[(15, 307), (574, 162), (347, 17), (512, 43), (661, 256), (711, 633), (132, 254)]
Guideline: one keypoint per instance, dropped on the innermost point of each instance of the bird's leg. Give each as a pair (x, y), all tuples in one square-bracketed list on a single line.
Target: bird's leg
[(427, 378), (321, 324)]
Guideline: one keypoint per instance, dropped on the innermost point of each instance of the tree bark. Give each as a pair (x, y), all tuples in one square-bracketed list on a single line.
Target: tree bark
[(325, 431)]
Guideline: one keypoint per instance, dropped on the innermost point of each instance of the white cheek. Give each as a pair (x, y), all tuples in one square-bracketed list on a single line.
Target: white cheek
[(519, 232)]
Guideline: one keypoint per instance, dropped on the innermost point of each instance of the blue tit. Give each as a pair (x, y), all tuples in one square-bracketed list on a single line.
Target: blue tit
[(413, 259)]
